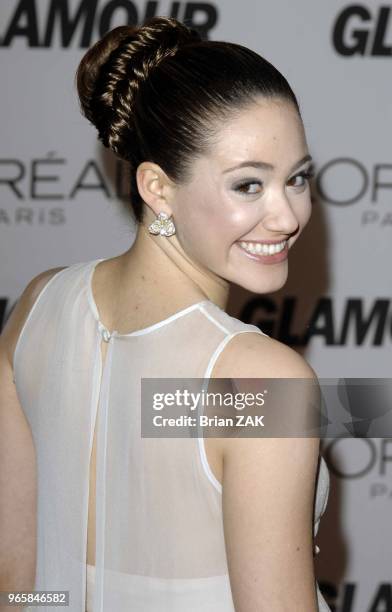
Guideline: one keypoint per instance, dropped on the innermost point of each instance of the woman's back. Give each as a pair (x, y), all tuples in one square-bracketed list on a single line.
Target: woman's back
[(159, 532)]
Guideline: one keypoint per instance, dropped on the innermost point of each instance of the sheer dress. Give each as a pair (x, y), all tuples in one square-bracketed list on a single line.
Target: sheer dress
[(159, 531)]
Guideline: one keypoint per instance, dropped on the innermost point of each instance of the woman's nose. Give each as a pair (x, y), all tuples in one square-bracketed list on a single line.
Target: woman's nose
[(279, 216)]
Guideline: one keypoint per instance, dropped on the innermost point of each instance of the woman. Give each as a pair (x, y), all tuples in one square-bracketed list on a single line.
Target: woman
[(219, 172)]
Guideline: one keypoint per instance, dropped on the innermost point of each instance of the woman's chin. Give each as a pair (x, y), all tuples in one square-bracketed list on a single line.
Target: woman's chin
[(266, 280)]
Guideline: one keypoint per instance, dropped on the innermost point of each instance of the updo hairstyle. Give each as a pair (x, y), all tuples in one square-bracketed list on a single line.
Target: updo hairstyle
[(159, 93)]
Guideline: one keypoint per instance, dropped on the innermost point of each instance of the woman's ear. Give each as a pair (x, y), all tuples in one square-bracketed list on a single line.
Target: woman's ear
[(154, 187)]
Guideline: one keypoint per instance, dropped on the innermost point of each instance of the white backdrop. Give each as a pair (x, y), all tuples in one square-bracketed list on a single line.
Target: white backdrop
[(62, 201)]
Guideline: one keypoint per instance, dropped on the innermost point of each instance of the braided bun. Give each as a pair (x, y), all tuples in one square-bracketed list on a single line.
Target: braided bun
[(161, 93), (112, 71)]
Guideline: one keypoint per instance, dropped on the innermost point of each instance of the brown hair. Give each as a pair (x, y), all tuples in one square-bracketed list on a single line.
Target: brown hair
[(154, 93)]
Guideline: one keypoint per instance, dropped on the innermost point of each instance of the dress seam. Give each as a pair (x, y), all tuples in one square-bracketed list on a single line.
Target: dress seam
[(207, 375)]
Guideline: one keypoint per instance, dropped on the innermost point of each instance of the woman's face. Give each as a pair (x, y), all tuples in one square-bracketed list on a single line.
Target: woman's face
[(226, 213)]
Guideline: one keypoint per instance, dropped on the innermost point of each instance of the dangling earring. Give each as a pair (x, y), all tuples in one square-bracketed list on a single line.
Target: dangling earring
[(162, 225)]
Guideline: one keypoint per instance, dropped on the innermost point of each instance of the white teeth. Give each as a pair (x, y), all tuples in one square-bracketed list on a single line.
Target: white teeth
[(263, 249)]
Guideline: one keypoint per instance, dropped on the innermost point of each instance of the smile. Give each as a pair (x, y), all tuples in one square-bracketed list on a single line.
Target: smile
[(258, 248)]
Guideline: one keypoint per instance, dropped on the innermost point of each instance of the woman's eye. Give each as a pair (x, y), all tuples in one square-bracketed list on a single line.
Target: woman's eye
[(248, 187), (306, 176), (254, 186)]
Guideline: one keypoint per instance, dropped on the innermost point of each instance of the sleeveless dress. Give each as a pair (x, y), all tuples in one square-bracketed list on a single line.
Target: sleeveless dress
[(159, 530)]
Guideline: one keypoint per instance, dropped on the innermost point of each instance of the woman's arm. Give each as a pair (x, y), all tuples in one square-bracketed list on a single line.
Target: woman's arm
[(17, 460), (268, 494)]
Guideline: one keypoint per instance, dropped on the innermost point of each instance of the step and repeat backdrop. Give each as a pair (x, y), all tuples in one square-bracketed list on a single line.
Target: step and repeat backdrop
[(63, 199)]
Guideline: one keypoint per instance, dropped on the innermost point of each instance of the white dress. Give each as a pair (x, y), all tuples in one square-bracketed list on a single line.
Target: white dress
[(159, 530)]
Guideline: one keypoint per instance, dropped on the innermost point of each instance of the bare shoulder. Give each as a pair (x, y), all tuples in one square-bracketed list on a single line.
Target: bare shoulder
[(13, 326), (268, 489), (253, 355)]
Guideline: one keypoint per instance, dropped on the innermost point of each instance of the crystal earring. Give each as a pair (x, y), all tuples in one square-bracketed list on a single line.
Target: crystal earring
[(162, 225)]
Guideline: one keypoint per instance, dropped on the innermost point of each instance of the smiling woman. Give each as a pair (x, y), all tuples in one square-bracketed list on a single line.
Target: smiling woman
[(247, 205), (220, 172)]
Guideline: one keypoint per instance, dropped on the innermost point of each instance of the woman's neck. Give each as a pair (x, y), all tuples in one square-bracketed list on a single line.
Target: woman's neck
[(157, 267)]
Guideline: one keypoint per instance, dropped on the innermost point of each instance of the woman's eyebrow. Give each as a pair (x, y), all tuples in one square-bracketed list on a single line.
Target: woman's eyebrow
[(265, 165)]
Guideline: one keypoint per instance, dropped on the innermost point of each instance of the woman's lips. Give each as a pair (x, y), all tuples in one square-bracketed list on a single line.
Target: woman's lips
[(266, 259)]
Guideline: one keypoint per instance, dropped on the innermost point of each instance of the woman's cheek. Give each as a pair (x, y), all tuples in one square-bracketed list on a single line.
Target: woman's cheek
[(243, 219), (307, 213)]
